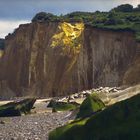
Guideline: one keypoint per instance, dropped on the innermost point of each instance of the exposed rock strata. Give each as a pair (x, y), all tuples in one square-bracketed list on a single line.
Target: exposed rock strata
[(82, 58)]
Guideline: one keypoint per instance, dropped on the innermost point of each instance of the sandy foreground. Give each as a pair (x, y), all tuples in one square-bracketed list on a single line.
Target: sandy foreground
[(32, 127)]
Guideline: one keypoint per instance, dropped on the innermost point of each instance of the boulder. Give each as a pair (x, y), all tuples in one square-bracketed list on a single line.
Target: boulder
[(17, 108), (117, 122), (62, 106), (90, 105)]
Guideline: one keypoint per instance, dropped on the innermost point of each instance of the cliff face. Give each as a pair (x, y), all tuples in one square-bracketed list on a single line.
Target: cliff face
[(110, 54), (53, 59), (2, 45)]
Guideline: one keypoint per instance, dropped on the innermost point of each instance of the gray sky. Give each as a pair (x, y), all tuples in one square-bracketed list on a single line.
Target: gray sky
[(15, 12)]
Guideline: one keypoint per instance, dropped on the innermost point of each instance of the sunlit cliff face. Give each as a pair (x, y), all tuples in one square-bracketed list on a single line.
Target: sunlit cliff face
[(69, 38)]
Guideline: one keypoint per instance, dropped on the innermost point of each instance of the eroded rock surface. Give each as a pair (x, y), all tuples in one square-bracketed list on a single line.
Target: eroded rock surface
[(55, 59)]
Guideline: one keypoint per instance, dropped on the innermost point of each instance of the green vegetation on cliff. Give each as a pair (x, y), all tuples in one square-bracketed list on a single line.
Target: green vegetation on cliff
[(123, 17), (42, 17), (118, 122)]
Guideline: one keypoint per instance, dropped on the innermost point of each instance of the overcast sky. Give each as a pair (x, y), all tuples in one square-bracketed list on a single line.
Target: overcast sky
[(15, 12)]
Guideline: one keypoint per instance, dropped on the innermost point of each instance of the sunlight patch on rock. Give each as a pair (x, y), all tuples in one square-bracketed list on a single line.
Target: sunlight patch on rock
[(69, 37)]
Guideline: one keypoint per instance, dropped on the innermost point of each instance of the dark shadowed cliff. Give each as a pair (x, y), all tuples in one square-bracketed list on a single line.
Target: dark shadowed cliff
[(59, 58)]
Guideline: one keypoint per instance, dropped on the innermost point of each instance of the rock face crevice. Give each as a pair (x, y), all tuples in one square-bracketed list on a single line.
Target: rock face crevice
[(54, 59)]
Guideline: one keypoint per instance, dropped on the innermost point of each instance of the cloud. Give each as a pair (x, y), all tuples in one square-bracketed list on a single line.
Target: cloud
[(15, 12), (9, 26), (26, 9)]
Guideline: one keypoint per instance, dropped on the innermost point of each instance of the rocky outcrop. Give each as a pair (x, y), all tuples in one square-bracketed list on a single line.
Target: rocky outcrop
[(54, 59)]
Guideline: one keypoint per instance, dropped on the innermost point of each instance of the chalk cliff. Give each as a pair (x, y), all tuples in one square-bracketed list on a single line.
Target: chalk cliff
[(59, 58)]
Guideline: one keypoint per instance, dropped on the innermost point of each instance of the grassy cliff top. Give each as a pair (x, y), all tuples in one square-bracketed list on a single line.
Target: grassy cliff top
[(123, 17)]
